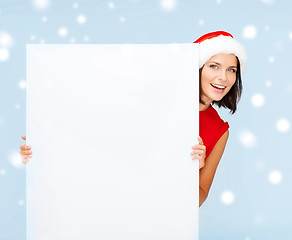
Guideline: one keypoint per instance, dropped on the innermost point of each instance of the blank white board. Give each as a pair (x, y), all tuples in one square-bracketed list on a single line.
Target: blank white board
[(111, 128)]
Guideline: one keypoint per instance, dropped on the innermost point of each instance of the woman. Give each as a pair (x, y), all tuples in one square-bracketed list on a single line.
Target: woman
[(221, 62)]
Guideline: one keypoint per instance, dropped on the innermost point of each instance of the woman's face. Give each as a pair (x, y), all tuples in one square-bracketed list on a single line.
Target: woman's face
[(217, 77)]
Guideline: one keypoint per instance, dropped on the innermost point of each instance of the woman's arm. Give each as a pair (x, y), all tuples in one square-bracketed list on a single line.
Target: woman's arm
[(208, 171)]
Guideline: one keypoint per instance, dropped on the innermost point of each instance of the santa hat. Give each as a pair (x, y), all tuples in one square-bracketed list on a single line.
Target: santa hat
[(218, 42)]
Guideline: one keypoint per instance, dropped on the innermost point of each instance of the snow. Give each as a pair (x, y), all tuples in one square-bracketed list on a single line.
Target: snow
[(17, 106), (258, 100), (63, 32), (44, 19), (41, 4), (249, 32), (22, 84), (201, 22), (6, 40), (111, 5), (75, 5), (168, 5), (32, 38), (15, 159), (4, 54), (20, 202), (2, 172), (81, 19), (268, 1), (72, 40), (268, 83), (283, 125), (122, 19), (227, 197), (247, 138), (275, 177), (271, 59)]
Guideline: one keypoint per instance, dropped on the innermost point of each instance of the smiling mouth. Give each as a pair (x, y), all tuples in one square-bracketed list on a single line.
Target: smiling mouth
[(218, 86)]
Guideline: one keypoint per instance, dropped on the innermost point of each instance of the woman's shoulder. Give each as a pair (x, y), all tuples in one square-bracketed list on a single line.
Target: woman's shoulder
[(211, 115)]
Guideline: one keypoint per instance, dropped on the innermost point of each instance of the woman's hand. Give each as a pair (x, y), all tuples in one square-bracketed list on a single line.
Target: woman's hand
[(25, 152), (199, 152)]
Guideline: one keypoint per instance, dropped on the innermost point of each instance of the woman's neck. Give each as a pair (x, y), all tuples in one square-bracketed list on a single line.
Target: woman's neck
[(203, 107)]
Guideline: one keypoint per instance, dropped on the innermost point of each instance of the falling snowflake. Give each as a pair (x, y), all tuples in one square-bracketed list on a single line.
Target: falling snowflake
[(268, 83), (22, 84), (268, 1), (20, 202), (283, 125), (44, 19), (81, 19), (227, 197), (32, 38), (75, 5), (111, 5), (4, 54), (6, 40), (267, 28), (122, 19), (271, 59), (41, 4), (249, 32), (258, 100), (63, 32), (275, 177), (17, 106), (2, 172), (72, 40), (1, 120), (15, 159), (168, 5), (201, 22), (247, 138)]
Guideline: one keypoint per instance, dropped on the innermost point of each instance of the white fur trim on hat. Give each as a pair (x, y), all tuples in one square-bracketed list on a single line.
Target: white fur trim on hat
[(221, 44)]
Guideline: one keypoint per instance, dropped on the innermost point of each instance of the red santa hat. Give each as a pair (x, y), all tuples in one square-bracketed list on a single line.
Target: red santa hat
[(218, 42)]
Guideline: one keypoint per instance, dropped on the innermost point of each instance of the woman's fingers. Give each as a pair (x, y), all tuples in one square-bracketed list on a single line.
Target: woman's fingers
[(197, 151), (26, 152), (23, 137), (25, 147), (26, 159), (199, 146), (200, 140)]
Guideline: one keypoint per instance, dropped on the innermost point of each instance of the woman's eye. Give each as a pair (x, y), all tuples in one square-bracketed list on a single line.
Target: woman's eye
[(232, 70), (213, 66)]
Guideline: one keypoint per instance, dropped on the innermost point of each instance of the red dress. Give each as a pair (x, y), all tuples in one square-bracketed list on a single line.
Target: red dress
[(211, 128)]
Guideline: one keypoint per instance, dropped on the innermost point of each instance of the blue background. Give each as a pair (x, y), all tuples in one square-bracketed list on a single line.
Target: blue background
[(255, 168)]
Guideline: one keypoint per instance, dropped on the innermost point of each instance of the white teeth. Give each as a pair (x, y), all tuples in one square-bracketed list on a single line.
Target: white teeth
[(214, 85)]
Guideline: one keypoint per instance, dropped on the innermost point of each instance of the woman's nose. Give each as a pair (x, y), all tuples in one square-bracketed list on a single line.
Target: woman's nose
[(222, 75)]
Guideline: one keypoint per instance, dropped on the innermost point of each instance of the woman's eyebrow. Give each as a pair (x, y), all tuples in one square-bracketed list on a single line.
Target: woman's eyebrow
[(220, 64)]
